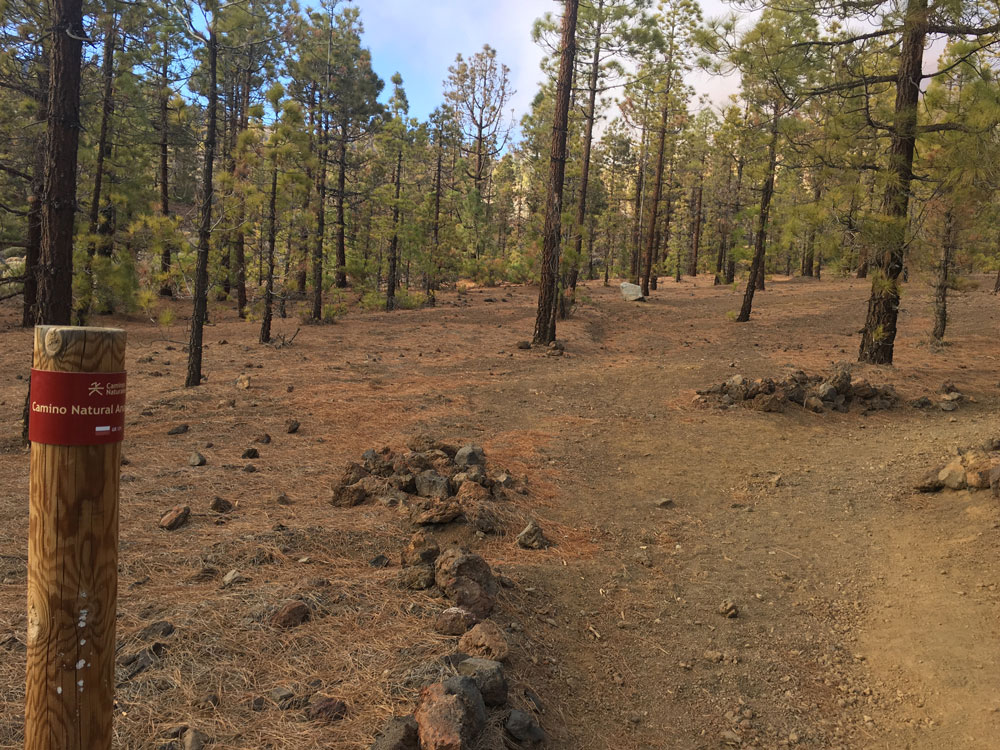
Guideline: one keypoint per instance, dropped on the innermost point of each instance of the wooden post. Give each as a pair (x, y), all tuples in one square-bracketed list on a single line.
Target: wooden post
[(77, 418)]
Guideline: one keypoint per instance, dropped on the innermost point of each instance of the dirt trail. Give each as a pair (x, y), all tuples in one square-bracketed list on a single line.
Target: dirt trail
[(868, 614), (805, 521)]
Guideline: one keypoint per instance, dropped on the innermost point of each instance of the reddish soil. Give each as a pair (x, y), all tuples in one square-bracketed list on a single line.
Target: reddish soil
[(868, 613)]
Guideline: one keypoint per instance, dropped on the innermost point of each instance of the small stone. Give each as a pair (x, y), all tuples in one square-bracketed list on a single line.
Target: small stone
[(422, 550), (243, 382), (249, 469), (348, 497), (454, 621), (399, 734), (631, 292), (174, 518), (379, 561), (291, 615), (469, 455), (729, 610), (324, 708), (665, 504), (417, 578), (263, 439), (292, 426), (467, 580), (930, 482), (715, 657), (814, 404), (197, 459), (995, 480), (504, 480), (251, 453), (446, 721), (178, 430), (947, 406), (826, 391), (922, 403), (220, 505), (283, 499), (432, 485), (192, 739), (532, 537), (952, 476), (487, 640), (489, 677), (977, 476), (524, 728), (523, 344), (282, 696), (207, 701), (730, 738), (441, 512), (232, 578)]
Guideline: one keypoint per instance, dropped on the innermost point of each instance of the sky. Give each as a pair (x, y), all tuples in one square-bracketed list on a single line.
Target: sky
[(420, 38)]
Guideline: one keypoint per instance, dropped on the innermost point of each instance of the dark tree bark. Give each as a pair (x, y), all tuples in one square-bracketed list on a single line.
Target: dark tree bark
[(317, 257), (166, 290), (545, 320), (272, 236), (341, 274), (205, 224), (392, 279), (760, 243), (692, 269), (588, 142), (879, 334), (100, 241), (657, 192), (640, 185), (725, 231), (944, 270), (55, 262)]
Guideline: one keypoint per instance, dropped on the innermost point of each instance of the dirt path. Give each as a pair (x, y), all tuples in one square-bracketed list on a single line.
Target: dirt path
[(868, 614)]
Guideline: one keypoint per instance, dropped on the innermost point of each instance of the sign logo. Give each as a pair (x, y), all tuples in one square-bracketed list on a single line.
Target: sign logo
[(77, 408)]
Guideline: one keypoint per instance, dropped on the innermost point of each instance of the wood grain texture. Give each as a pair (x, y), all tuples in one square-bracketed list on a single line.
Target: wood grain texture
[(72, 565)]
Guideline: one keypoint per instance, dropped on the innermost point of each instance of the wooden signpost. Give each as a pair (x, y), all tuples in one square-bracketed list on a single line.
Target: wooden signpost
[(76, 418)]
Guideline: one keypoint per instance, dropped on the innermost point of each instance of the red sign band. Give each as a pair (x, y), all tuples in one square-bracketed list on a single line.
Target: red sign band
[(77, 408)]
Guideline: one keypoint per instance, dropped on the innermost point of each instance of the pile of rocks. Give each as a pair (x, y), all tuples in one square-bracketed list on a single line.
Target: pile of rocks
[(451, 713), (949, 397), (836, 391), (434, 483), (973, 469)]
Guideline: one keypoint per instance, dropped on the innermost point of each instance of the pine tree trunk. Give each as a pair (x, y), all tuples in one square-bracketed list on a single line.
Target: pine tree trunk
[(640, 184), (879, 334), (657, 192), (317, 258), (166, 290), (760, 244), (588, 142), (34, 234), (85, 303), (55, 262), (341, 273), (944, 268), (545, 320), (391, 278), (205, 224), (692, 269), (272, 235)]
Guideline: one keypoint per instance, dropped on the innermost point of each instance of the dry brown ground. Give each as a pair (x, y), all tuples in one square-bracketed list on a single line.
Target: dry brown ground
[(868, 613)]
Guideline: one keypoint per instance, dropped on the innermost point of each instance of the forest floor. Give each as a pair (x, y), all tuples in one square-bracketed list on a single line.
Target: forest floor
[(868, 612)]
